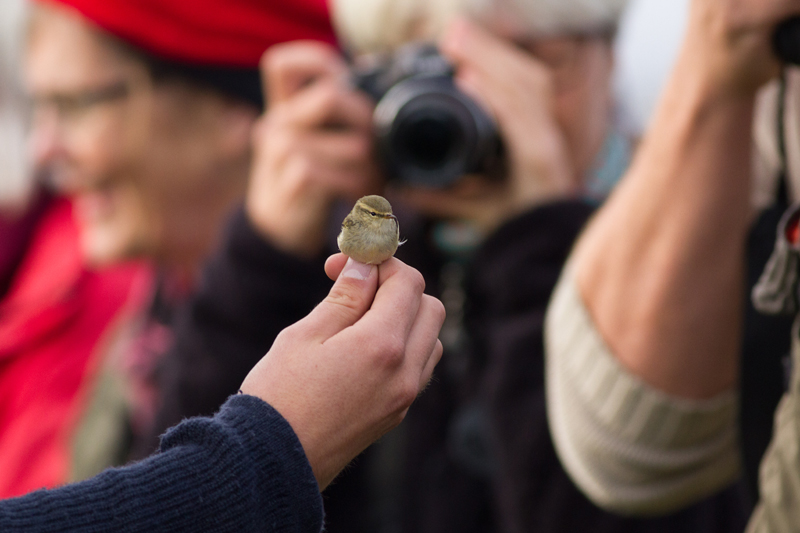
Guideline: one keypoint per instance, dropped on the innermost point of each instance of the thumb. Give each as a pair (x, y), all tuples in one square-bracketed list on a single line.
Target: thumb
[(350, 297)]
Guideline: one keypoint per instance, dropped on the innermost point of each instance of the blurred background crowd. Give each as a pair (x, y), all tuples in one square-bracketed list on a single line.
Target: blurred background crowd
[(173, 175)]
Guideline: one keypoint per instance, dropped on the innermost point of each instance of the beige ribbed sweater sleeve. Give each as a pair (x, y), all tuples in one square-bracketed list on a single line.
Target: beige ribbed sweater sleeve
[(778, 511), (631, 448)]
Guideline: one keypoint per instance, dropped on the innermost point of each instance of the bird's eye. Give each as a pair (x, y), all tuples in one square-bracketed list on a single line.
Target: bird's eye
[(373, 213)]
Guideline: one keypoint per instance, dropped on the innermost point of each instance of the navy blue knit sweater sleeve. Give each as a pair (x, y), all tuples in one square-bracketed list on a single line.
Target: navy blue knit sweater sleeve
[(242, 470)]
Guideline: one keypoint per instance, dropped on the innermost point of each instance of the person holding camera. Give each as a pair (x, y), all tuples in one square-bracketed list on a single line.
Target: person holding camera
[(644, 331), (475, 453), (141, 115), (260, 463)]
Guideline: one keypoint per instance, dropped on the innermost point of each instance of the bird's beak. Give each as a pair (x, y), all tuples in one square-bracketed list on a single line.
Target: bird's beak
[(390, 216)]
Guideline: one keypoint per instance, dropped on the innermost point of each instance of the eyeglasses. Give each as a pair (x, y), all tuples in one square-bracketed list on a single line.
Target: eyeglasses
[(70, 106), (564, 56)]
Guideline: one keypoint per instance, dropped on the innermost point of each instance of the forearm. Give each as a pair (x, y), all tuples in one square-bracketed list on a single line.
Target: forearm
[(630, 448), (243, 470), (661, 266)]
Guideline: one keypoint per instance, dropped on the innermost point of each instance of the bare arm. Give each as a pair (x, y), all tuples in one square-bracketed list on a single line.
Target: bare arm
[(660, 268)]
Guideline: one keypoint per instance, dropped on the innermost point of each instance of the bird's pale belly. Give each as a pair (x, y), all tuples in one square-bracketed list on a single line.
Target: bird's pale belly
[(370, 247)]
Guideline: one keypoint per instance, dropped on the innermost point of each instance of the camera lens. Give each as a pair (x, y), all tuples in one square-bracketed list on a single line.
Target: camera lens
[(428, 140), (430, 134), (427, 132)]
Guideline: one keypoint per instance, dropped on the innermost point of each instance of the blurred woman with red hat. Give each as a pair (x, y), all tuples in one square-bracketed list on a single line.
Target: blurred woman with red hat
[(142, 116)]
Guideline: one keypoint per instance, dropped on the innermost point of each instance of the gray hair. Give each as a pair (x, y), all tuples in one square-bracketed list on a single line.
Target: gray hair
[(380, 25)]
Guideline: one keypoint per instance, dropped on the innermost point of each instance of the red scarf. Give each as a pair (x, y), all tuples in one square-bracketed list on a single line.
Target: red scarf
[(53, 324)]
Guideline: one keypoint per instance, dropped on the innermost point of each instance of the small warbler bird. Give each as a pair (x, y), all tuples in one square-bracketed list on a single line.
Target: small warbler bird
[(370, 233)]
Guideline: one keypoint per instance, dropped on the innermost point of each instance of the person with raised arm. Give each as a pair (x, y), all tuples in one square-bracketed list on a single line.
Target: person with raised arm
[(643, 333)]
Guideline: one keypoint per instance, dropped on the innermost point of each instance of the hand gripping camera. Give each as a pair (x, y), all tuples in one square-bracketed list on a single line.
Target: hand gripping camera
[(428, 133)]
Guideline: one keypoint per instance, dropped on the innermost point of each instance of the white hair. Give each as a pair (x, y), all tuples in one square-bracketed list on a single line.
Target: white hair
[(380, 25), (15, 177)]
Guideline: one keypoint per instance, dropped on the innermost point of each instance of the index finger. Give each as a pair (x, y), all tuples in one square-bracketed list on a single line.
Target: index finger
[(288, 67), (494, 71), (469, 44), (334, 265)]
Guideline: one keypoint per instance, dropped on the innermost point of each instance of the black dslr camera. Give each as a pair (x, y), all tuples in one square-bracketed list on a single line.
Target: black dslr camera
[(786, 40), (428, 133)]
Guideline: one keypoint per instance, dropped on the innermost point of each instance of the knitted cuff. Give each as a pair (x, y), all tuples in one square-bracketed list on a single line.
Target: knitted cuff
[(630, 447), (284, 488)]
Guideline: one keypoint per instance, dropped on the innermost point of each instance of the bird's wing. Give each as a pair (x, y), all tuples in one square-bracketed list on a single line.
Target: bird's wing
[(349, 222)]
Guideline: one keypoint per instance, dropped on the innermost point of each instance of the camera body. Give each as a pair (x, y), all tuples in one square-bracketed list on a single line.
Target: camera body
[(786, 40), (428, 133)]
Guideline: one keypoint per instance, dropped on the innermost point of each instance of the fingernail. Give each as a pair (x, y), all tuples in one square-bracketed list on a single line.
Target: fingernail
[(354, 269), (456, 34)]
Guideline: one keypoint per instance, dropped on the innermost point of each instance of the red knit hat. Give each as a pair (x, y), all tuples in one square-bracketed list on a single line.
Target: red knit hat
[(232, 33)]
